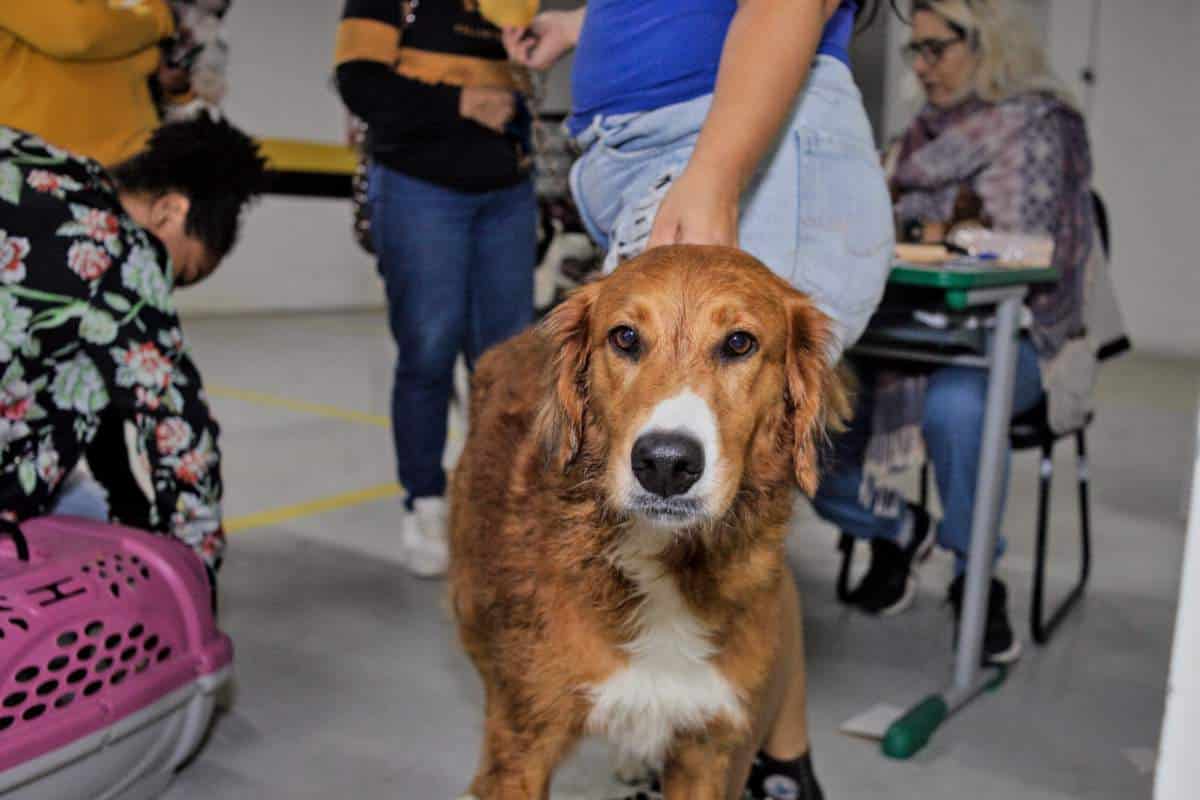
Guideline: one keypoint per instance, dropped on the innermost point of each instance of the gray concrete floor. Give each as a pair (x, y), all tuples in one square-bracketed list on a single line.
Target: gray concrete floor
[(350, 683)]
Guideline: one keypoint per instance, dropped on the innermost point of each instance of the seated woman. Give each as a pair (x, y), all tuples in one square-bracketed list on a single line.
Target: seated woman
[(1000, 140)]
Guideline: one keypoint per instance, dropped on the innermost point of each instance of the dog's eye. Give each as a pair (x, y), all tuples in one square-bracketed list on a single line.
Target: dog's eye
[(625, 339), (739, 345)]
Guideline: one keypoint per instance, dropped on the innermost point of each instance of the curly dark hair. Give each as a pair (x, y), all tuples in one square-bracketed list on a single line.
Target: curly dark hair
[(216, 166)]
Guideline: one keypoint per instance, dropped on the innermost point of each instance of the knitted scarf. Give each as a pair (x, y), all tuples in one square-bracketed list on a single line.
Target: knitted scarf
[(1027, 160)]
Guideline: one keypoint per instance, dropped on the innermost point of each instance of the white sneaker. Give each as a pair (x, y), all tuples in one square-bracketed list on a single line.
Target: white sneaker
[(423, 538)]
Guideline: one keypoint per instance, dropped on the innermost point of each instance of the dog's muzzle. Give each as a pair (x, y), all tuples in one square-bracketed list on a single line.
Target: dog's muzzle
[(674, 463), (667, 464)]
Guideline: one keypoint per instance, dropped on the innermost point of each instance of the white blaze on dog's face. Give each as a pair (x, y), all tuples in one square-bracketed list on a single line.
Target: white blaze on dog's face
[(693, 366)]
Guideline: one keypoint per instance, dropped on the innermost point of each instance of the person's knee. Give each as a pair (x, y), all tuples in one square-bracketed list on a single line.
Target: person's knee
[(837, 487), (428, 352)]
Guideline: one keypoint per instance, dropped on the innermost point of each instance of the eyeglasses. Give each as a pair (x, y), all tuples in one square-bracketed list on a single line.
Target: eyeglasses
[(930, 50)]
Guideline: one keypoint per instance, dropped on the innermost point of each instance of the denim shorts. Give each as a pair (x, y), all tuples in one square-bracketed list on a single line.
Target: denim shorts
[(817, 212)]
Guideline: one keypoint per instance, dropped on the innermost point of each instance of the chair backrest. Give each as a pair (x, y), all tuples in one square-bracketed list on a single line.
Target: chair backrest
[(1100, 212), (1122, 344)]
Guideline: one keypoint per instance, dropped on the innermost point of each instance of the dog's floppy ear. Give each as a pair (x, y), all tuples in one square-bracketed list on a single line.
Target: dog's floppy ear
[(817, 391), (561, 418)]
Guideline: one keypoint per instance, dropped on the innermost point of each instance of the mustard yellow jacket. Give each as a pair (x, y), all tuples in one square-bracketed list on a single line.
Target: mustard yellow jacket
[(75, 72)]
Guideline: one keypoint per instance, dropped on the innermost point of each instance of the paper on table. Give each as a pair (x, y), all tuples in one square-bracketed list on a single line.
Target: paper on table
[(1004, 249), (921, 253), (938, 256)]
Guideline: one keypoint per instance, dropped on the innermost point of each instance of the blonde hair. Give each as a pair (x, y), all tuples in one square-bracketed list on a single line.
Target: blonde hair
[(1011, 60)]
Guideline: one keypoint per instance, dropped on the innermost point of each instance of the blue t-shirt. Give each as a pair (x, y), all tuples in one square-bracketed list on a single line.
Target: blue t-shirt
[(638, 55)]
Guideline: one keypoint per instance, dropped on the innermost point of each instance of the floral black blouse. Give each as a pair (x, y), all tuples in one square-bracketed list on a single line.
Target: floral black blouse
[(90, 342)]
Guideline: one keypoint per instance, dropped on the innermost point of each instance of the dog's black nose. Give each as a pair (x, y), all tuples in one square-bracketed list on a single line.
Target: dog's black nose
[(667, 464)]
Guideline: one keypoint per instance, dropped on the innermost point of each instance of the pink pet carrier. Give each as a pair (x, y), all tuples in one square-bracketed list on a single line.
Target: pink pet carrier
[(109, 660)]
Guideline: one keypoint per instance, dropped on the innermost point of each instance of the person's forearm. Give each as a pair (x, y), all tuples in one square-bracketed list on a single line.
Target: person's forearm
[(548, 38), (577, 16), (765, 62), (396, 104)]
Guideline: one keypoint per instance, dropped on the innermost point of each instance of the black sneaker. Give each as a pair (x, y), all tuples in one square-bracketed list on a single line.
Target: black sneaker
[(890, 585), (762, 784), (789, 780), (1000, 646), (648, 793)]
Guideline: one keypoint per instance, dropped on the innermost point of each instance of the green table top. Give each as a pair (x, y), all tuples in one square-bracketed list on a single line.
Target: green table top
[(962, 278), (957, 282)]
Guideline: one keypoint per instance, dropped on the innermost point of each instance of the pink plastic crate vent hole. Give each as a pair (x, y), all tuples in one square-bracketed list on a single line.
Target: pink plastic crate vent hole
[(99, 622)]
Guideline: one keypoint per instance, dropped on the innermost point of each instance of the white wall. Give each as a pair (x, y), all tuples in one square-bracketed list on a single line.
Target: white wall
[(1178, 769), (900, 101), (558, 82), (295, 253), (1145, 129)]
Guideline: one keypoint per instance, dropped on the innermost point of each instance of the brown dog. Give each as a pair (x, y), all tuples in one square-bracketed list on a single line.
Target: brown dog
[(618, 517)]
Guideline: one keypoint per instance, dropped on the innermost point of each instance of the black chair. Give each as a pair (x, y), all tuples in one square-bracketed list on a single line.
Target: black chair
[(1029, 430)]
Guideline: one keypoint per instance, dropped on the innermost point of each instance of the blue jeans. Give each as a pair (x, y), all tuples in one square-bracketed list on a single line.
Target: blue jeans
[(817, 212), (81, 496), (952, 427), (458, 270)]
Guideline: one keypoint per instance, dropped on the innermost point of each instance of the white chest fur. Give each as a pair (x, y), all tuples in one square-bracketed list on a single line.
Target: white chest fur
[(669, 685)]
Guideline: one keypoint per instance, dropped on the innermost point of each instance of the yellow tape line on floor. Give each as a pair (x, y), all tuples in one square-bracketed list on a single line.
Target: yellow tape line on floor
[(321, 505), (318, 409), (277, 516)]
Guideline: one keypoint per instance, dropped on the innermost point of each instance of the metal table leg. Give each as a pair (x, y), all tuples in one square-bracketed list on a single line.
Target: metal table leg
[(911, 732)]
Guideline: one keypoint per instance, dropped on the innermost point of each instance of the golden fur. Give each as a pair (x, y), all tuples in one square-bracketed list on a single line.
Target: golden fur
[(545, 605)]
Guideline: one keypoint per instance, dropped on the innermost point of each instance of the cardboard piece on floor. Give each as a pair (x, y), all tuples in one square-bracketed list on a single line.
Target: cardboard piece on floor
[(872, 723)]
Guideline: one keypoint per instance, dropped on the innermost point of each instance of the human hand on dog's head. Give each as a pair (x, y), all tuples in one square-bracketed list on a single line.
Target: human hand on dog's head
[(700, 207)]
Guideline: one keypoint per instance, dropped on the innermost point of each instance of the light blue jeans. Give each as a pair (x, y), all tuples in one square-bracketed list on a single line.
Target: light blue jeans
[(81, 496), (817, 212), (952, 426)]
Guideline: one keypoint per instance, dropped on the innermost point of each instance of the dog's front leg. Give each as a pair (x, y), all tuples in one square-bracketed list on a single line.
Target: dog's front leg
[(518, 761), (698, 769)]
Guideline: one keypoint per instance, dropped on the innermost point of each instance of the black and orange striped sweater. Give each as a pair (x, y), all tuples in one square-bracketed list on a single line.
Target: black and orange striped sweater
[(405, 81)]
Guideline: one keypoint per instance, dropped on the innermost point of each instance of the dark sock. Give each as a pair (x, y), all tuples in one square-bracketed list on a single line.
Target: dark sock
[(771, 779)]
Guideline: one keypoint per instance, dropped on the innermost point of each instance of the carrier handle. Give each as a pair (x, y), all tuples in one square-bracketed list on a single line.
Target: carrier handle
[(11, 528)]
